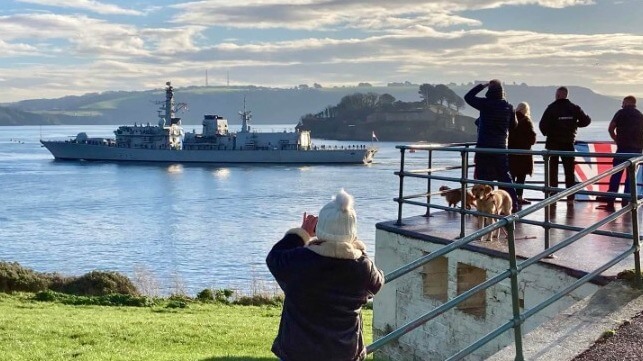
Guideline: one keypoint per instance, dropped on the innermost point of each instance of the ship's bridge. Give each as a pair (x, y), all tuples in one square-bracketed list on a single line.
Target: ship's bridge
[(214, 125)]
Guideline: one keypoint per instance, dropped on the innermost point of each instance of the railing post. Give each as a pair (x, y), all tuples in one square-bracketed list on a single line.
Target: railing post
[(547, 195), (428, 186), (463, 188), (400, 200), (631, 172), (515, 297)]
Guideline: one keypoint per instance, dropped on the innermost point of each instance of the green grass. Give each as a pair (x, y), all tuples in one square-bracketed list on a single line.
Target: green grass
[(32, 330)]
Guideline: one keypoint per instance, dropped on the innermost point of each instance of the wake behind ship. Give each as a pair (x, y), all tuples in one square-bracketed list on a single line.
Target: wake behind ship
[(167, 142)]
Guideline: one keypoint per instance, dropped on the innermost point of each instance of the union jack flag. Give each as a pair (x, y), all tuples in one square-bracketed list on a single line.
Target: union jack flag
[(588, 167)]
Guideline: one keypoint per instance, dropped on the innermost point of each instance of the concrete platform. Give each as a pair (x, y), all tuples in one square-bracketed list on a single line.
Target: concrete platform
[(578, 259)]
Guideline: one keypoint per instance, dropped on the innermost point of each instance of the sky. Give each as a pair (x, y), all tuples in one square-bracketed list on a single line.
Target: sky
[(53, 48)]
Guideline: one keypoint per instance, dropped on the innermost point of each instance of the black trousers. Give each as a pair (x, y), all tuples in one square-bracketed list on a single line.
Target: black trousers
[(568, 166), (519, 179)]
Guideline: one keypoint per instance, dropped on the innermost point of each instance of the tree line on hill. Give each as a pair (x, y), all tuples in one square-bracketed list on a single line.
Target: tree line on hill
[(435, 116), (441, 94), (359, 105)]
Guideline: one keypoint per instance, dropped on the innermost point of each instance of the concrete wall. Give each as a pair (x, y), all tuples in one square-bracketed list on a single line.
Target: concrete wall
[(407, 298)]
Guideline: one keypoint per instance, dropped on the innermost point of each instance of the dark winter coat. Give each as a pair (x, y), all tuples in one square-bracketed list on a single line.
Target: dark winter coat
[(321, 317), (496, 117), (559, 123), (629, 128), (522, 137)]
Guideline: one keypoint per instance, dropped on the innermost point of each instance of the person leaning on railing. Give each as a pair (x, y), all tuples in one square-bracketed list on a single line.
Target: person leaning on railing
[(326, 280), (626, 129)]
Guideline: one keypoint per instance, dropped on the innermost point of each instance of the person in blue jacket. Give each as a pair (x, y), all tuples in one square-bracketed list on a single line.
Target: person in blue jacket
[(497, 117), (326, 277)]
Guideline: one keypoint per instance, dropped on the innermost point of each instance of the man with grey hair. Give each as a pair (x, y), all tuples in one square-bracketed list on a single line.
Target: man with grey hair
[(559, 124)]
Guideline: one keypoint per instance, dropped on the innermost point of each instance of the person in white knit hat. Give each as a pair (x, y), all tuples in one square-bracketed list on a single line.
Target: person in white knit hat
[(326, 277)]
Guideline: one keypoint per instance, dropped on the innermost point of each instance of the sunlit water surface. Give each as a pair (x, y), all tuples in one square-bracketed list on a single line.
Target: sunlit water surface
[(183, 227)]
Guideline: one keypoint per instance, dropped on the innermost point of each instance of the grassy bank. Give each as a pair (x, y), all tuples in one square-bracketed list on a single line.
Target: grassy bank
[(33, 330)]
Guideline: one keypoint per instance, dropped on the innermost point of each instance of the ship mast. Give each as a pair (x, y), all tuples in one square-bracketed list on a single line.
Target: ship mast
[(245, 118), (170, 108), (169, 103)]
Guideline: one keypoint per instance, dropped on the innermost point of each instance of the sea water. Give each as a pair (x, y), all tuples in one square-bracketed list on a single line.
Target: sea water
[(182, 227)]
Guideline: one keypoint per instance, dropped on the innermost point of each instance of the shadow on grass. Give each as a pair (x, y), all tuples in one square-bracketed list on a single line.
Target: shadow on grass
[(240, 358)]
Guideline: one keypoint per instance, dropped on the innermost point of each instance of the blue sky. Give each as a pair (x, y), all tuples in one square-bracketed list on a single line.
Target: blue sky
[(52, 48)]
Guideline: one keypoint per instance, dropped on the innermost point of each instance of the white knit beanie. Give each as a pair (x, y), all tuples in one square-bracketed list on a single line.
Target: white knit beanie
[(336, 221)]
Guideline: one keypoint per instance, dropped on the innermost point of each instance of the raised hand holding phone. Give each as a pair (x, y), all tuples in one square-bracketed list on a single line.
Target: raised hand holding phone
[(309, 223)]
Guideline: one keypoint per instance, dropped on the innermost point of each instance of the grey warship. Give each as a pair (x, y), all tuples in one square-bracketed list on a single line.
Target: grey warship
[(168, 142)]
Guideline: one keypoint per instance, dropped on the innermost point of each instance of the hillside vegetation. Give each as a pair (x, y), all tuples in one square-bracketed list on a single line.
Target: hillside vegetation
[(434, 118), (15, 116)]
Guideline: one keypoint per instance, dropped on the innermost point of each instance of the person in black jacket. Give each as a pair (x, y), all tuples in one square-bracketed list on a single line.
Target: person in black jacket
[(626, 129), (497, 117), (559, 124), (326, 280), (522, 137)]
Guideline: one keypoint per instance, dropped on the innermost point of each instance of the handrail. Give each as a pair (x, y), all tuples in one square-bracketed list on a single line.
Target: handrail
[(552, 195), (501, 223)]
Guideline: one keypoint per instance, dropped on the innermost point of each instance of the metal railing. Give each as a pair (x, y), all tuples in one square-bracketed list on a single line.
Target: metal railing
[(551, 196)]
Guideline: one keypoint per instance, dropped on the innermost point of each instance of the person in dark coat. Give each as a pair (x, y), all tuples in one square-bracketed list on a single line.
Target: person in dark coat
[(626, 129), (326, 280), (497, 117), (522, 137), (559, 124)]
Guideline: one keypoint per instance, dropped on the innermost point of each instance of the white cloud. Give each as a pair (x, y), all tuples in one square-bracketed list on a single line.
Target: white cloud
[(85, 36), (386, 41), (90, 5), (315, 15), (17, 49), (93, 38), (169, 41), (328, 14)]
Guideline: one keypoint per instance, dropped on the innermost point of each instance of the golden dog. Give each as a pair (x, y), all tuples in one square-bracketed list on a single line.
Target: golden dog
[(454, 196), (497, 202)]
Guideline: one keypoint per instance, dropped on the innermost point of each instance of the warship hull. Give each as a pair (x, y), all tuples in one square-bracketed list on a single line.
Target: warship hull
[(66, 150)]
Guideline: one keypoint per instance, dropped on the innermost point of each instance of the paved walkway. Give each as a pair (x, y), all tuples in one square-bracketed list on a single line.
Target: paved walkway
[(574, 331), (625, 345)]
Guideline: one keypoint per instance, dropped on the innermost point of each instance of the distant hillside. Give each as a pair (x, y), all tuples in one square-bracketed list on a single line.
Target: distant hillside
[(268, 105), (14, 116), (598, 107)]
